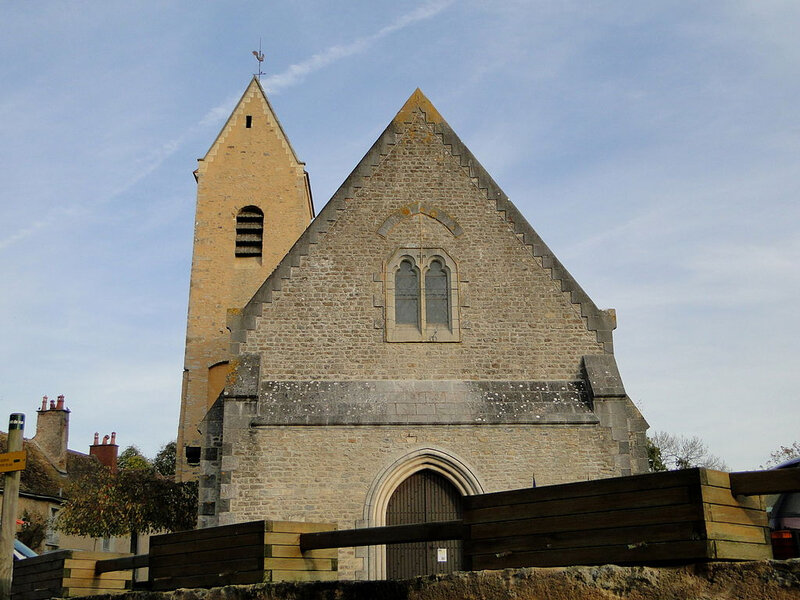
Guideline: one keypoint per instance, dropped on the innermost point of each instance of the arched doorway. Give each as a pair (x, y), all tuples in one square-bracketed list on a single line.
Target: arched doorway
[(424, 497)]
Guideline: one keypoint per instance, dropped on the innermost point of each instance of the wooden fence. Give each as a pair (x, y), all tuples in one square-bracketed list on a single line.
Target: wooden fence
[(255, 552), (65, 574), (678, 516), (656, 518)]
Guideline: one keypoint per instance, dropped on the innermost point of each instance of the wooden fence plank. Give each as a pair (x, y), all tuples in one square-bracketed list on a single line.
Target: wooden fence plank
[(80, 592), (633, 483), (737, 533), (208, 556), (45, 583), (300, 564), (370, 536), (776, 481), (274, 551), (286, 539), (297, 527), (218, 543), (115, 564), (20, 571), (623, 554), (219, 566), (73, 582), (717, 495), (584, 504), (735, 514), (278, 575), (50, 557), (577, 539), (601, 520), (727, 550), (211, 532), (89, 573), (208, 580), (715, 478)]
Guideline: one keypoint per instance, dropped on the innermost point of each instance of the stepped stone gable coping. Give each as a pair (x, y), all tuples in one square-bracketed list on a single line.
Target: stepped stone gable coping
[(602, 322)]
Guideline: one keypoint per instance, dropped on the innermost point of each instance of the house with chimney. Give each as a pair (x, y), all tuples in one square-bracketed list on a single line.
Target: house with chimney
[(51, 468)]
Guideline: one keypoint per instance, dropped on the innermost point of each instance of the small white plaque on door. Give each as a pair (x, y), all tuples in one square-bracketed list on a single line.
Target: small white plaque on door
[(441, 554)]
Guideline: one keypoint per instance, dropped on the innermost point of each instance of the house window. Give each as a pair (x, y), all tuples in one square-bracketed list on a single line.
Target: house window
[(249, 231), (51, 534), (421, 297)]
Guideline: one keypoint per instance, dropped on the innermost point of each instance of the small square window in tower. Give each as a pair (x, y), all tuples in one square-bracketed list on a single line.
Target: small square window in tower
[(249, 231)]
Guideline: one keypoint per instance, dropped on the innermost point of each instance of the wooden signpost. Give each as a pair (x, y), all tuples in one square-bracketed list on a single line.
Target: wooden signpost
[(11, 463)]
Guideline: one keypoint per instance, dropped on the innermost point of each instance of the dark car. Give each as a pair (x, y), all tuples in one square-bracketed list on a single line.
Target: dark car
[(784, 520)]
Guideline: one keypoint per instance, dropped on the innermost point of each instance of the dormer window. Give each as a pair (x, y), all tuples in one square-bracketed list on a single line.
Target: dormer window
[(249, 231), (421, 297)]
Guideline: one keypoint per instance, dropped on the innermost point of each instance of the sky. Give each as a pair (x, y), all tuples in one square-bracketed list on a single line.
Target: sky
[(654, 146)]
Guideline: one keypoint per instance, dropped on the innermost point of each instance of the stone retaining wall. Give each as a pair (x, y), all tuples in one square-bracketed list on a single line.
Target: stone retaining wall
[(763, 580)]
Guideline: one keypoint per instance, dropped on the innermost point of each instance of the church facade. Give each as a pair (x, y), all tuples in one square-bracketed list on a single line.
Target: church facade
[(416, 343)]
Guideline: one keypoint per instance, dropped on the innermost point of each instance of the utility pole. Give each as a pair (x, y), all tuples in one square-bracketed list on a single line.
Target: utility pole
[(8, 525)]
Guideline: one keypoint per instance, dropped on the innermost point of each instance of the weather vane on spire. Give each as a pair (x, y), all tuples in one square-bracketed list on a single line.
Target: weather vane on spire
[(260, 58)]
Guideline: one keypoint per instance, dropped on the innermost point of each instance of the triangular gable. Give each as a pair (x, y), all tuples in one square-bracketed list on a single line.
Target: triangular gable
[(602, 322), (253, 89)]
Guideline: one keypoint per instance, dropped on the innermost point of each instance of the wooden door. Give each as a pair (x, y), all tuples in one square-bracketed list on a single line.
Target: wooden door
[(424, 497)]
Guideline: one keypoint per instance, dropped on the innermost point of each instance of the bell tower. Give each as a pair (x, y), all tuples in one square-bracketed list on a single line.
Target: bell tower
[(253, 202)]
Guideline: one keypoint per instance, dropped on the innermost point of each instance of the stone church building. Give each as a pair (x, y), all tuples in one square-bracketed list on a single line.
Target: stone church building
[(414, 342)]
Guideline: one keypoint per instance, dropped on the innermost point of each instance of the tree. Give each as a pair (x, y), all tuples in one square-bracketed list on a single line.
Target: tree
[(781, 455), (132, 458), (164, 462), (129, 502), (33, 531), (681, 452), (654, 459)]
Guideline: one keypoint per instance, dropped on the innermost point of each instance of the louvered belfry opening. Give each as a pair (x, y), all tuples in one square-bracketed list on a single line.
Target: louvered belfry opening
[(249, 231), (425, 497)]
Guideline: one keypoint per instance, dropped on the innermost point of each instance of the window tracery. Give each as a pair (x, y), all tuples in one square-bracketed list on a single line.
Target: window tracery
[(422, 297)]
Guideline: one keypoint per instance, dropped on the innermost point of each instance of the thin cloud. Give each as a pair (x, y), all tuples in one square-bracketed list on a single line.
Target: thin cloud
[(297, 72)]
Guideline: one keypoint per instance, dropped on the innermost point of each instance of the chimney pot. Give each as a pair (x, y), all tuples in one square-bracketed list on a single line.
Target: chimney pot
[(114, 437), (52, 404), (60, 405), (96, 438), (105, 440), (44, 402)]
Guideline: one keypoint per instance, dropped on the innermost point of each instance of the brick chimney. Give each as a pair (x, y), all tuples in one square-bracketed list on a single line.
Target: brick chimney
[(52, 431), (106, 452)]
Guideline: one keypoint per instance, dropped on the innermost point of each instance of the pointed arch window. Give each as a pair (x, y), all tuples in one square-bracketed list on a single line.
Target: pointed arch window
[(421, 297), (249, 231), (406, 282)]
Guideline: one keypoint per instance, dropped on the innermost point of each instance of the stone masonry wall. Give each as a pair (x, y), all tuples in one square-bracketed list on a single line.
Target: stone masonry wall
[(315, 473)]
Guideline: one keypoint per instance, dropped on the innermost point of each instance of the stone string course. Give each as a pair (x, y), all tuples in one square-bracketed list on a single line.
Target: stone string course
[(409, 401)]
